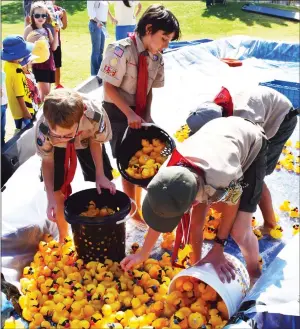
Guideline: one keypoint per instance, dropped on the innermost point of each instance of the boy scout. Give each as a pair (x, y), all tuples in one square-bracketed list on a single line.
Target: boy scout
[(217, 164), (70, 122), (130, 69), (268, 108)]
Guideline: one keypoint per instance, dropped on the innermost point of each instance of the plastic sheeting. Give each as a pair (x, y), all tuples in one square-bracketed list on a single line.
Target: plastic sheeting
[(275, 294), (192, 74)]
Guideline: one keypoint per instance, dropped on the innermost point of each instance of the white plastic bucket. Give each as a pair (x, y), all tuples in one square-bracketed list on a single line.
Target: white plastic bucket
[(232, 293)]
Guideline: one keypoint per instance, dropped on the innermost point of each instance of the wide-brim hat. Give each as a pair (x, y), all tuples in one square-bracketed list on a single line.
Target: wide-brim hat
[(27, 59), (15, 47)]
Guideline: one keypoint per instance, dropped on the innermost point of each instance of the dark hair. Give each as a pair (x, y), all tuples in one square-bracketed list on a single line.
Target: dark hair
[(126, 3), (39, 5), (63, 107), (161, 19)]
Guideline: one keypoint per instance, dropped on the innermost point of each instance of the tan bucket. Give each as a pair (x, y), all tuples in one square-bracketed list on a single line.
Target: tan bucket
[(232, 293)]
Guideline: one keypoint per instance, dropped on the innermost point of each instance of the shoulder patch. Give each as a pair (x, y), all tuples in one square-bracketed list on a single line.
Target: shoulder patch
[(97, 117), (119, 51), (44, 129), (125, 42)]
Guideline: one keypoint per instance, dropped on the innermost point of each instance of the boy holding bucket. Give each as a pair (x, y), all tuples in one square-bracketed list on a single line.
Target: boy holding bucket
[(130, 69), (72, 126), (268, 108), (222, 162)]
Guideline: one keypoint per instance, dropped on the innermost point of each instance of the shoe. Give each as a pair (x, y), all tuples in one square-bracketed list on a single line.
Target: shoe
[(59, 86)]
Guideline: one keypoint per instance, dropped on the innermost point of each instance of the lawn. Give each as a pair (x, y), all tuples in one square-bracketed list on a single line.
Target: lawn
[(195, 20)]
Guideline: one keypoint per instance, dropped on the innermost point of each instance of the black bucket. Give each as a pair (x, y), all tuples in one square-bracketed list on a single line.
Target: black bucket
[(98, 238), (132, 143)]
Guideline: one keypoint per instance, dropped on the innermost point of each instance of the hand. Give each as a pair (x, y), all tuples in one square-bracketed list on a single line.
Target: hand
[(134, 120), (224, 268), (114, 21), (100, 25), (103, 181), (27, 19), (132, 260), (27, 115), (51, 208)]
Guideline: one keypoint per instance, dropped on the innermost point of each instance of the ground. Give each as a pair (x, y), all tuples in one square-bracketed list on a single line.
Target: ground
[(195, 20)]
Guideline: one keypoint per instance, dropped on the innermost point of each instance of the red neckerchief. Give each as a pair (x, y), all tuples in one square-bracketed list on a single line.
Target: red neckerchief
[(224, 100), (142, 81), (183, 227), (70, 164)]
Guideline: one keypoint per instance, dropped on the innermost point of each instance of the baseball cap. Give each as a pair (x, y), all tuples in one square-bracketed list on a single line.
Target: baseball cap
[(169, 195), (15, 47), (204, 113)]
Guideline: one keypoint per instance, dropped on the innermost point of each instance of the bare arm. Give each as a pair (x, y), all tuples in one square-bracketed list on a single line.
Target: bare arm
[(64, 20), (96, 151), (27, 30), (48, 174), (54, 39), (196, 230), (113, 20), (26, 114), (148, 117), (139, 8)]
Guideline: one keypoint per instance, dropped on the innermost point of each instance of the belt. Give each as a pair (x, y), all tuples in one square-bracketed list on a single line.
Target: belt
[(92, 20)]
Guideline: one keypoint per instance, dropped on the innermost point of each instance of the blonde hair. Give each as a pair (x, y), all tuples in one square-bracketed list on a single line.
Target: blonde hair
[(39, 5)]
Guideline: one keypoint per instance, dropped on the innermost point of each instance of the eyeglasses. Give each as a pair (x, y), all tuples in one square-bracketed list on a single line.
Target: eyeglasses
[(40, 16), (66, 137)]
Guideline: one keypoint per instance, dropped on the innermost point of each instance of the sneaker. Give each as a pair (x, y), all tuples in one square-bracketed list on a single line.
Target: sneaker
[(59, 86)]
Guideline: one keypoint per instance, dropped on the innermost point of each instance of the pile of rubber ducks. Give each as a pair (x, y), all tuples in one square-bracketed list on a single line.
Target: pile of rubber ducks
[(167, 241), (60, 291), (146, 162), (290, 161), (93, 211), (182, 133)]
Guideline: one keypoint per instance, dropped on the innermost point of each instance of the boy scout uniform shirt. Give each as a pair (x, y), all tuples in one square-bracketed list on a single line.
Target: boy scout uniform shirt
[(94, 125), (262, 105), (120, 68), (224, 148)]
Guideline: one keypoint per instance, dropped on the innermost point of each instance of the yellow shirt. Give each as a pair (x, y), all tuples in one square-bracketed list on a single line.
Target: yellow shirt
[(16, 86)]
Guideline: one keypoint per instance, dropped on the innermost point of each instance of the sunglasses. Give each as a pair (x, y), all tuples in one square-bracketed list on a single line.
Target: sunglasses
[(40, 16), (65, 137)]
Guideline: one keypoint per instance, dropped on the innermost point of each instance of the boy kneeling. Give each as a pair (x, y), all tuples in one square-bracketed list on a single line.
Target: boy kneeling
[(72, 126)]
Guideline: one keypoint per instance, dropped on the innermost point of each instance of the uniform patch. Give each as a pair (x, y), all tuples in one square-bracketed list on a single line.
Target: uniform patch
[(155, 58), (102, 126), (119, 51), (113, 62), (109, 70), (39, 142)]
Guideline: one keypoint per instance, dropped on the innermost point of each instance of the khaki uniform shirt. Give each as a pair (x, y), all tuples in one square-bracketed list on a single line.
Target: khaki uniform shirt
[(120, 68), (225, 148), (264, 106), (94, 125)]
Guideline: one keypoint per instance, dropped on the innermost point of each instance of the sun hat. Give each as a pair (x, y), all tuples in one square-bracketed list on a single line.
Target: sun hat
[(204, 113), (27, 59), (169, 195), (15, 47)]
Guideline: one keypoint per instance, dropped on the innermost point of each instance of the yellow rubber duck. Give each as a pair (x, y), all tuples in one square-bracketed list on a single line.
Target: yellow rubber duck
[(285, 206), (297, 145), (297, 169), (276, 232), (254, 222), (258, 233), (294, 213), (285, 150), (278, 166), (288, 143), (209, 232), (295, 229), (221, 307)]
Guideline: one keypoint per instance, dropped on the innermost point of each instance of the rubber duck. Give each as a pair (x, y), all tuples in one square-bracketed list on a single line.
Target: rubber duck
[(209, 232), (222, 308), (199, 306), (276, 232), (254, 222), (297, 159), (160, 323), (165, 260), (148, 149), (209, 294), (285, 206), (278, 166), (260, 262), (214, 318), (285, 150), (289, 165), (295, 229), (44, 325), (9, 323), (196, 320), (258, 233), (294, 213), (289, 157), (95, 321), (297, 169), (180, 319), (297, 145)]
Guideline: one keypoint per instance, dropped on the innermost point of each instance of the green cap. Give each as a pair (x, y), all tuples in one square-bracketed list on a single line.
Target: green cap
[(169, 195)]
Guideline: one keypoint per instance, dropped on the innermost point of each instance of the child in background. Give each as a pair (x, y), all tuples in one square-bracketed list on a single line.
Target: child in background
[(3, 108), (130, 69), (14, 50), (44, 72), (126, 17), (62, 14), (71, 125)]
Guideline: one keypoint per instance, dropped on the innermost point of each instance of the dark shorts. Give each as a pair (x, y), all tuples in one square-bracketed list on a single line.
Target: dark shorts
[(253, 180), (86, 162), (118, 121), (277, 142), (57, 57), (44, 75)]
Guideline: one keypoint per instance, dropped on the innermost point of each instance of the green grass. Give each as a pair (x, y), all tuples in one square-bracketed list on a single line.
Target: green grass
[(195, 20)]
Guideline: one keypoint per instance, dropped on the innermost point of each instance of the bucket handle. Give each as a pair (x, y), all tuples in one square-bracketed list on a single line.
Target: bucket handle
[(128, 216), (144, 124)]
